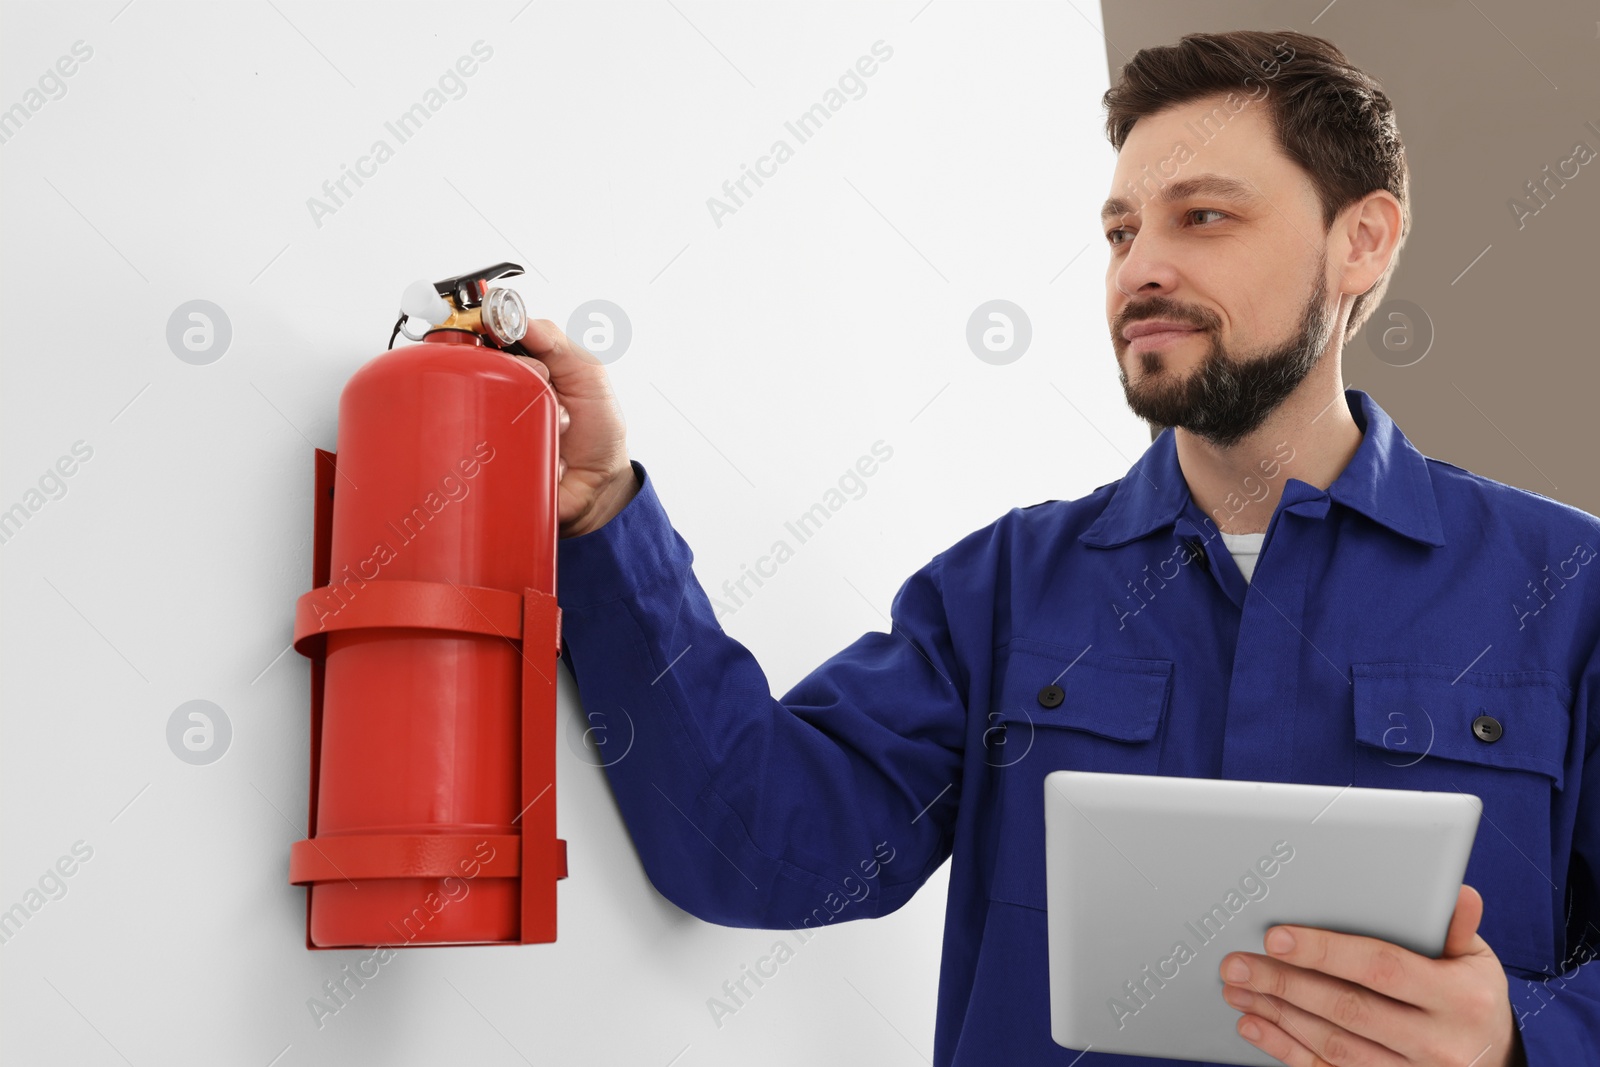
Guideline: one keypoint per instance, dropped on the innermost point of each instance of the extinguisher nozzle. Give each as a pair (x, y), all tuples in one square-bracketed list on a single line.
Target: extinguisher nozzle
[(422, 301)]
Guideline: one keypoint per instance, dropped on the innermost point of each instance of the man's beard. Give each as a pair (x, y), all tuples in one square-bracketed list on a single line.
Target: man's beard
[(1229, 395)]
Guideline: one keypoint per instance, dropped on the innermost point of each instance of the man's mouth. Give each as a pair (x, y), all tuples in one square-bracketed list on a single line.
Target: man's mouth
[(1159, 337)]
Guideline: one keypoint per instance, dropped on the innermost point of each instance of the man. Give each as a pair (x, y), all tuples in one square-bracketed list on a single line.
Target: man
[(1258, 204)]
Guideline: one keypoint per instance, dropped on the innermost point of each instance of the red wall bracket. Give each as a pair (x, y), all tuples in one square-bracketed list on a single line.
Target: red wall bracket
[(534, 855)]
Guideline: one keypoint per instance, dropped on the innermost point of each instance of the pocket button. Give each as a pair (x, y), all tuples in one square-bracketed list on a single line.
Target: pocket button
[(1051, 696), (1486, 728)]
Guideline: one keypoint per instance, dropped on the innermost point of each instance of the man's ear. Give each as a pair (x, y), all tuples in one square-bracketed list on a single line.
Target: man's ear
[(1367, 238)]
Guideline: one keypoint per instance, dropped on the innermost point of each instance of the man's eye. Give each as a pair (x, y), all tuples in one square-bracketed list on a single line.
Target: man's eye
[(1111, 235)]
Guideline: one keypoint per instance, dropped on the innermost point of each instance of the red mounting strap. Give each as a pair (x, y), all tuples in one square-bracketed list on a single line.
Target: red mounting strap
[(543, 854), (355, 856), (367, 605)]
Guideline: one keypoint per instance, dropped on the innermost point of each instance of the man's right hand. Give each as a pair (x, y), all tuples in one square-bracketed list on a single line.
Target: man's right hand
[(595, 478)]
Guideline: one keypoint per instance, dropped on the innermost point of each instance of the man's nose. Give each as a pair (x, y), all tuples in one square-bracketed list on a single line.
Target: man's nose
[(1147, 267)]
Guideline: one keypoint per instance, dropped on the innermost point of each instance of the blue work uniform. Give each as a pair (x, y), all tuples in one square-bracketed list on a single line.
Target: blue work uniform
[(1115, 633)]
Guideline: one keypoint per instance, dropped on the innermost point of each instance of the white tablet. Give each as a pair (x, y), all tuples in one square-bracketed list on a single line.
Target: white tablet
[(1152, 880)]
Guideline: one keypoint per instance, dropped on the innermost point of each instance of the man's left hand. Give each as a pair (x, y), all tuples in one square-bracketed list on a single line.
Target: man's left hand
[(1325, 999)]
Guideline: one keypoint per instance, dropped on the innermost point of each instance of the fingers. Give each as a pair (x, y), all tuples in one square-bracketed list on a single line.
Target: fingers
[(1462, 937), (538, 366), (1367, 961), (1305, 993), (1300, 1038), (563, 365), (563, 416), (545, 341)]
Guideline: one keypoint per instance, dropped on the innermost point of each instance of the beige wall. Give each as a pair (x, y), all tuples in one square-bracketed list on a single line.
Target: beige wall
[(1507, 388)]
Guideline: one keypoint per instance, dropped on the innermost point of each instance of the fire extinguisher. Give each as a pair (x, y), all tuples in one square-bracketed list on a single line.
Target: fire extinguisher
[(433, 634)]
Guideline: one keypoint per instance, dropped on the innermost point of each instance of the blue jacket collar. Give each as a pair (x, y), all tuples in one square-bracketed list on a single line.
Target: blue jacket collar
[(1386, 480)]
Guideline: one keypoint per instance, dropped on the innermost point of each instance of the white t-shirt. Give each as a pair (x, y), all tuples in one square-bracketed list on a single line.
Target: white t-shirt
[(1244, 548)]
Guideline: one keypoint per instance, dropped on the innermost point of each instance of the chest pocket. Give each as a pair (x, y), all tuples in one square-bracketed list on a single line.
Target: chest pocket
[(1500, 737), (1064, 710)]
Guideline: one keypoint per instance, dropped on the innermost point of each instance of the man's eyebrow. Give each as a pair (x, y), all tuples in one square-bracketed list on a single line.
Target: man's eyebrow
[(1214, 185)]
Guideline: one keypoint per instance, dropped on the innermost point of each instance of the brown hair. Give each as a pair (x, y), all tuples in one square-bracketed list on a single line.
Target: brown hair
[(1328, 116)]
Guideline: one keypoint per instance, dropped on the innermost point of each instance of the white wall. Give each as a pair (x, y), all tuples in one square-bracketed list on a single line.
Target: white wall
[(768, 354)]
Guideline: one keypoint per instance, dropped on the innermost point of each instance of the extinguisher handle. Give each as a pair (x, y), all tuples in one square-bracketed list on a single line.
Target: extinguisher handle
[(467, 289)]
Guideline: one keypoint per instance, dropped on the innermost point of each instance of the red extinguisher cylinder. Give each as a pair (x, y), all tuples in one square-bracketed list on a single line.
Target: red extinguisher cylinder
[(445, 483)]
